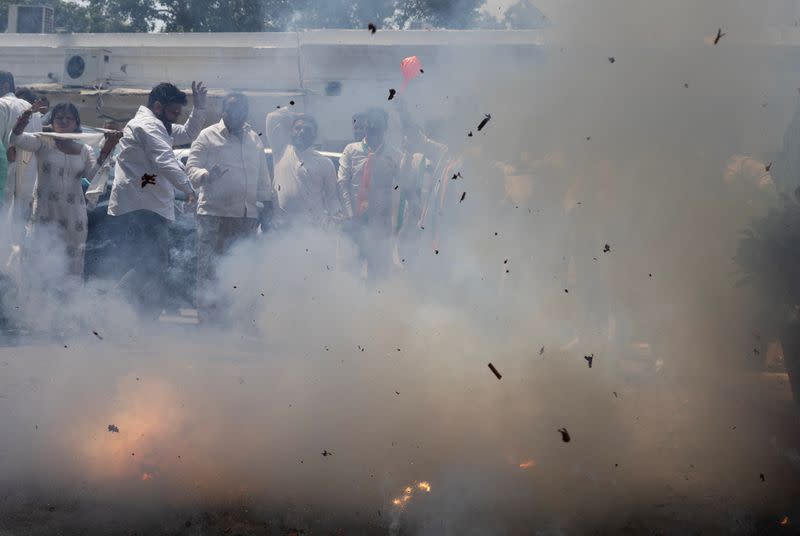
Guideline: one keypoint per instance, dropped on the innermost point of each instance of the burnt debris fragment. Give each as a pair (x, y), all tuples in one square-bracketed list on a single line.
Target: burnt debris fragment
[(589, 358), (392, 93), (611, 59), (564, 435), (113, 428), (463, 196), (97, 335), (606, 248), (486, 119), (719, 36), (372, 28), (495, 372), (325, 453)]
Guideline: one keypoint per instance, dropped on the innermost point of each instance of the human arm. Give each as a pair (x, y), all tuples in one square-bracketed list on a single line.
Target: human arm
[(19, 138), (189, 131), (264, 193), (330, 196), (197, 163), (344, 182), (158, 146), (111, 141)]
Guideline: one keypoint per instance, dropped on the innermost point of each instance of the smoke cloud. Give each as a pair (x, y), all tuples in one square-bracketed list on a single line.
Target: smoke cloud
[(599, 221)]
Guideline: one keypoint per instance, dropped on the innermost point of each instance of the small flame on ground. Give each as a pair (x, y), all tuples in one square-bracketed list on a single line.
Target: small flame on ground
[(528, 464), (784, 521), (408, 493)]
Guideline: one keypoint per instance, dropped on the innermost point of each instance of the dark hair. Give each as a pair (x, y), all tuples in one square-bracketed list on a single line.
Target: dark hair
[(377, 117), (25, 94), (69, 108), (6, 76), (308, 119), (166, 93), (235, 98)]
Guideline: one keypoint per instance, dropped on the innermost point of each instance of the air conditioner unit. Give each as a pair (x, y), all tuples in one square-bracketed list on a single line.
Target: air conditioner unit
[(30, 19), (84, 67)]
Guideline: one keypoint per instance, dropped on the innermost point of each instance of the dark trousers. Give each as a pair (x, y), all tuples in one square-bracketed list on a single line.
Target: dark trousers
[(215, 236), (144, 245)]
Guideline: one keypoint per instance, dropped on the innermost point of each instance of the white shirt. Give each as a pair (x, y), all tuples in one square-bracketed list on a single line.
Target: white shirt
[(146, 148), (244, 177), (22, 173), (305, 182)]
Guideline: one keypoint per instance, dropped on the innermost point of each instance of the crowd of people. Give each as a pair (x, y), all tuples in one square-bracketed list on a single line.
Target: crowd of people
[(381, 195)]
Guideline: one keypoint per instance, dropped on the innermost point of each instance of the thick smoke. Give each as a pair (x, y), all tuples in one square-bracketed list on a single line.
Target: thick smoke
[(327, 398)]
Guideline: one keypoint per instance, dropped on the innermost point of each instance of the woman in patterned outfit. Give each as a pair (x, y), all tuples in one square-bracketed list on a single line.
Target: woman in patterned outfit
[(58, 197)]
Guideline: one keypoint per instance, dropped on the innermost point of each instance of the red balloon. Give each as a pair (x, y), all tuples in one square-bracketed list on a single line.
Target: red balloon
[(411, 68)]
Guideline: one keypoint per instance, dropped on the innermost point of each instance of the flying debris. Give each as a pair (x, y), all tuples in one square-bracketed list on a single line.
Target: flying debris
[(469, 135), (541, 350), (762, 477), (456, 176), (113, 428), (686, 86), (606, 248), (463, 196), (611, 59), (372, 28), (589, 359), (325, 453), (768, 167), (392, 93), (494, 371), (482, 124), (719, 36), (97, 335), (291, 103), (564, 435)]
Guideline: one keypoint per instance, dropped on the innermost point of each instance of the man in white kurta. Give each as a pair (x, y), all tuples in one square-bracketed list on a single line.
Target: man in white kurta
[(146, 175), (305, 180), (22, 170), (228, 168)]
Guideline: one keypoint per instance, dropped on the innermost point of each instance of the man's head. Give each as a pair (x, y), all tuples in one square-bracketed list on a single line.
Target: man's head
[(304, 132), (26, 95), (6, 83), (65, 118), (376, 121), (359, 126), (235, 108), (166, 102)]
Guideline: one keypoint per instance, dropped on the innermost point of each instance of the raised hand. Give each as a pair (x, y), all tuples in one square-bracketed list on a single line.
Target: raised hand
[(22, 120), (199, 94)]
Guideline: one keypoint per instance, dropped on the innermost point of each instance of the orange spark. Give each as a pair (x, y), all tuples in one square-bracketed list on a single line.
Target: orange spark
[(528, 464)]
